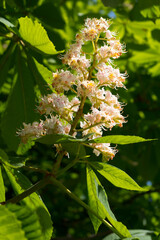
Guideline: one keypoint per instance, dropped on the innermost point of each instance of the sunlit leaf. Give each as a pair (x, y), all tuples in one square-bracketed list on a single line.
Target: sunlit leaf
[(20, 183), (120, 139), (98, 201), (2, 188), (19, 222), (116, 176), (33, 33)]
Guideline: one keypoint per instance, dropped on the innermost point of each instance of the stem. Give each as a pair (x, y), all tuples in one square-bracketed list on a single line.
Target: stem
[(58, 162), (78, 115), (29, 191), (74, 197), (94, 43), (67, 167)]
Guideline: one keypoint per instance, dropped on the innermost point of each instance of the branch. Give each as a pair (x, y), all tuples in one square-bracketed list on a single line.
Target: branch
[(42, 183), (131, 199), (74, 197)]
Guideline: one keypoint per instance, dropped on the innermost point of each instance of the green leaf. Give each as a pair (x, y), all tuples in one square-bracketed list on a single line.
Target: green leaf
[(2, 188), (19, 222), (120, 139), (33, 33), (146, 57), (98, 201), (155, 70), (10, 226), (9, 25), (55, 138), (16, 162), (6, 22), (20, 183), (69, 143), (136, 235), (21, 104), (5, 63), (116, 176), (3, 155), (74, 149), (40, 73), (150, 9), (13, 162)]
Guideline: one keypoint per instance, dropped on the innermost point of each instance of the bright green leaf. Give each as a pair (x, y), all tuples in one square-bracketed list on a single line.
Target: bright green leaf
[(33, 33), (155, 70), (10, 226), (120, 139), (98, 201), (19, 222), (2, 188), (116, 176), (20, 183), (151, 56)]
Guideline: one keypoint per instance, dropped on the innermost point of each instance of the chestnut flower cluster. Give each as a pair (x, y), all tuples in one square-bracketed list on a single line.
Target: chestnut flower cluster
[(90, 76)]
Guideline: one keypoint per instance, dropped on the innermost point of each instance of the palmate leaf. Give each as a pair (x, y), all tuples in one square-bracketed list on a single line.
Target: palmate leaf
[(120, 139), (116, 176), (20, 183), (19, 222), (2, 188), (33, 33), (98, 201)]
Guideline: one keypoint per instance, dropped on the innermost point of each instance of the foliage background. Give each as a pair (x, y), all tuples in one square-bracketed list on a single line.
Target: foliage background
[(138, 25)]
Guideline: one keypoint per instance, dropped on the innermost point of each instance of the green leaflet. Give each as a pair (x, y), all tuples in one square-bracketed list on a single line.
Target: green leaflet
[(2, 188), (5, 63), (136, 235), (19, 222), (119, 139), (20, 183), (36, 35), (99, 202), (40, 73), (21, 103), (145, 57), (9, 25), (70, 144), (116, 176), (13, 162), (56, 138)]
